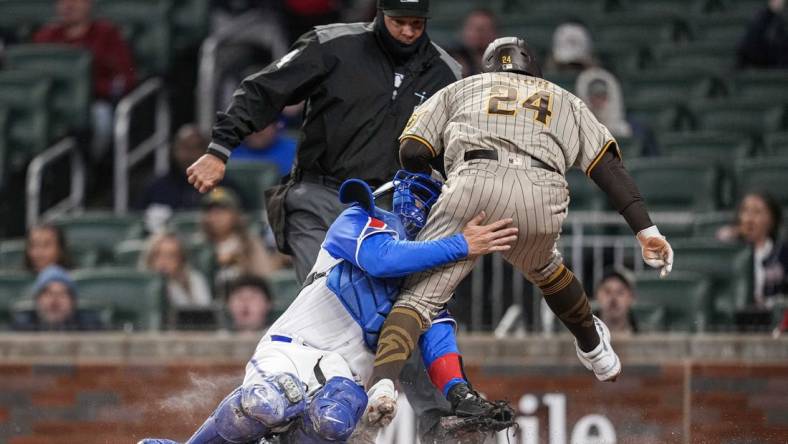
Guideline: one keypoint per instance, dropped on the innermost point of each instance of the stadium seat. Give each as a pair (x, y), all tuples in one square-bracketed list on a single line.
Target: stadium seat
[(19, 19), (127, 254), (764, 174), (714, 56), (190, 21), (676, 184), (683, 295), (649, 318), (185, 223), (661, 117), (723, 28), (99, 231), (566, 80), (70, 71), (12, 254), (136, 298), (771, 85), (683, 7), (746, 8), (201, 257), (671, 86), (146, 26), (707, 224), (253, 178), (776, 144), (26, 97), (284, 288), (13, 287), (457, 9), (558, 7), (583, 194), (618, 57), (753, 118), (729, 269), (4, 145), (639, 30)]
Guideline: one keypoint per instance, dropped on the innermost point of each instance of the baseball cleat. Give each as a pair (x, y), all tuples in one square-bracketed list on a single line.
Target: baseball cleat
[(602, 360), (382, 404), (157, 441)]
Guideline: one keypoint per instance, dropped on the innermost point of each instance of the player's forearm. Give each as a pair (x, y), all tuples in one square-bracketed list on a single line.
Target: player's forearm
[(385, 257), (415, 156), (609, 174)]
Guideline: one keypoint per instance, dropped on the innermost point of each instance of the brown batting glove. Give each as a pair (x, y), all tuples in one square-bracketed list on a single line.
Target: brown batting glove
[(657, 252), (206, 172)]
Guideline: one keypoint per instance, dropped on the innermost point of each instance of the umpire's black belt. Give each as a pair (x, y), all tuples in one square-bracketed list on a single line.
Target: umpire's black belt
[(493, 155)]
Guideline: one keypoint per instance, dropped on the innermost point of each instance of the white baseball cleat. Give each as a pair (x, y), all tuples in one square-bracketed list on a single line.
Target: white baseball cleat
[(602, 360), (382, 404)]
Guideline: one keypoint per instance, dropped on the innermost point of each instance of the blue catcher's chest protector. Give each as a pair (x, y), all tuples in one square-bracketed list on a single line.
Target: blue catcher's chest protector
[(368, 299)]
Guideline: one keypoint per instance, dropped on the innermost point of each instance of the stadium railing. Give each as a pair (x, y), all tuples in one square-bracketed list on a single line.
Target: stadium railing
[(35, 174)]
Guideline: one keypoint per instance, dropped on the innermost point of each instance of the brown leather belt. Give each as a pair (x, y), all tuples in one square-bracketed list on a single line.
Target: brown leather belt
[(493, 155)]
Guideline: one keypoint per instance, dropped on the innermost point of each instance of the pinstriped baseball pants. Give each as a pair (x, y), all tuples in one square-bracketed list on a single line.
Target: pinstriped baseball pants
[(537, 200)]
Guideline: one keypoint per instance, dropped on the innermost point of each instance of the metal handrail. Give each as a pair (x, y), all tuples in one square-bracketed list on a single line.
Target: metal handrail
[(127, 157), (35, 172)]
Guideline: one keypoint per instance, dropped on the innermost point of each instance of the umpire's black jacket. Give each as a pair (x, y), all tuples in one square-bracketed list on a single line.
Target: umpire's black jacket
[(352, 117)]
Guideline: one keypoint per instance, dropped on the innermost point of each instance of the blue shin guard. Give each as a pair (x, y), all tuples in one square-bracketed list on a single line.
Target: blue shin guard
[(332, 415), (250, 412)]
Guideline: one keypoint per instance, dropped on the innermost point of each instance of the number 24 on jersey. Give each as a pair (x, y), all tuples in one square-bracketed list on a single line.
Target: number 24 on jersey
[(503, 101)]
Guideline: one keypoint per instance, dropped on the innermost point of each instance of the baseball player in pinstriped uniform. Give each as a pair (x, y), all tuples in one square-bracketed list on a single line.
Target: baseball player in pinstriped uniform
[(509, 137)]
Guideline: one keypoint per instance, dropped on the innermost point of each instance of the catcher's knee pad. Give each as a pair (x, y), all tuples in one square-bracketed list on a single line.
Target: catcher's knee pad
[(275, 401), (336, 408), (231, 423)]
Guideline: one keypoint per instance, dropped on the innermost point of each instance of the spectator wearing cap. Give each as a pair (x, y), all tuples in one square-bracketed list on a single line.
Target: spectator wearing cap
[(615, 294), (572, 49), (237, 251), (55, 309), (248, 304)]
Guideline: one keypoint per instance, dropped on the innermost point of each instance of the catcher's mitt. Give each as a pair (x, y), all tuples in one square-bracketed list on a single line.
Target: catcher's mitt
[(474, 429)]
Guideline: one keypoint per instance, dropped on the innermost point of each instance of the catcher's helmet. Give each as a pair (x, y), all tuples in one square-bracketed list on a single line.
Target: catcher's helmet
[(414, 196), (510, 54)]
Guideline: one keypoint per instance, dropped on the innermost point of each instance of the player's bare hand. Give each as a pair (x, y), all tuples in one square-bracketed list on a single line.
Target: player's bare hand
[(206, 173), (485, 239), (657, 253)]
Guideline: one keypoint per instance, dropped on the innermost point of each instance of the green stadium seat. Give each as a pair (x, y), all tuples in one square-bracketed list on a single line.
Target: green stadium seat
[(190, 21), (707, 224), (4, 145), (19, 19), (559, 7), (753, 118), (128, 253), (661, 117), (201, 257), (776, 144), (682, 7), (620, 57), (729, 269), (769, 85), (253, 178), (727, 28), (673, 86), (137, 299), (70, 71), (764, 174), (583, 194), (26, 97), (746, 8), (676, 184), (631, 147), (683, 295), (14, 286), (639, 30), (649, 318), (284, 288), (12, 254), (99, 231), (714, 56), (185, 223), (456, 10), (566, 80), (146, 26)]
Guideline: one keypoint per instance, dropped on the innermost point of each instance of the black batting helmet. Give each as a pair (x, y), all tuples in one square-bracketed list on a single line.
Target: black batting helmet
[(510, 54)]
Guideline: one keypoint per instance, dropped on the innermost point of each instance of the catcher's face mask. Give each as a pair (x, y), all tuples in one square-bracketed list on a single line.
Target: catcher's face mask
[(414, 195)]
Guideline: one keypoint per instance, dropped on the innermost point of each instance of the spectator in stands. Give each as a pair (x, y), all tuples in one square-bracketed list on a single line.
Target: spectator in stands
[(186, 287), (55, 306), (248, 304), (601, 91), (45, 245), (269, 145), (615, 294), (758, 222), (238, 251), (572, 49), (478, 31), (113, 63), (765, 45)]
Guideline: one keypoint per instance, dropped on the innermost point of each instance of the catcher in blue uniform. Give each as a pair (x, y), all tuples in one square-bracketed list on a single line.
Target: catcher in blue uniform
[(305, 382)]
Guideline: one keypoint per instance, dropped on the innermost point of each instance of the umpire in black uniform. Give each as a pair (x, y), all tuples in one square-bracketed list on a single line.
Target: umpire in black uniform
[(361, 82)]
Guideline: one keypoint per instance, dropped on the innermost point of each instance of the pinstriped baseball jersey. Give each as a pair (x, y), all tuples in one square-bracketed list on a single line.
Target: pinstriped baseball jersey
[(513, 113)]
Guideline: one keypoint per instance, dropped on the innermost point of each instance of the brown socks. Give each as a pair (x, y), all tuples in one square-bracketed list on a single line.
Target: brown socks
[(398, 338), (565, 296)]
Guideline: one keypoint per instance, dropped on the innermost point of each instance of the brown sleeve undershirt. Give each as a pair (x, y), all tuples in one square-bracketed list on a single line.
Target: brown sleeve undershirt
[(415, 156), (609, 175)]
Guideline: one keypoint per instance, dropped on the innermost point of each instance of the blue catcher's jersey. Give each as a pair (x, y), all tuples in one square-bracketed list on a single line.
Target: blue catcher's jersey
[(368, 299)]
